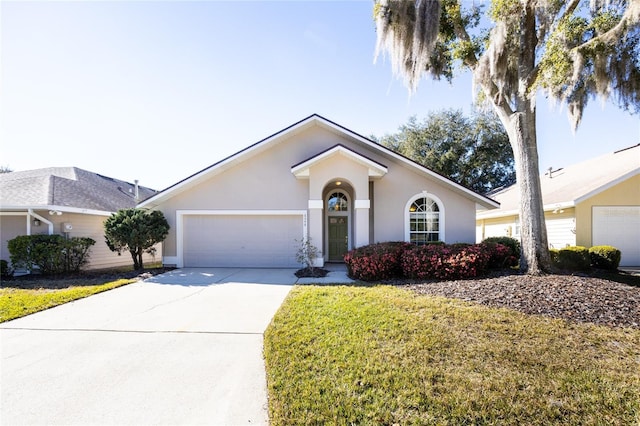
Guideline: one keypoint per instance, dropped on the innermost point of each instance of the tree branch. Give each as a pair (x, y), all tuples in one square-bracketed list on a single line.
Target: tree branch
[(461, 32), (571, 7), (533, 76), (630, 18)]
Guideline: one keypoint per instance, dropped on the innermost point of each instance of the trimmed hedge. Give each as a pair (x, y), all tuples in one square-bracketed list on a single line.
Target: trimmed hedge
[(605, 257), (512, 243), (576, 258), (383, 261), (501, 256), (51, 254), (445, 262), (379, 261)]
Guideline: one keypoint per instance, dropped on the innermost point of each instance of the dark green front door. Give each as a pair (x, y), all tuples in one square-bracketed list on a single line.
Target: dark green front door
[(338, 238)]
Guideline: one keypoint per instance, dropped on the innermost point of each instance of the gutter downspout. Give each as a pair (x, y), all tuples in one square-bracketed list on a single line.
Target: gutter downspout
[(40, 218)]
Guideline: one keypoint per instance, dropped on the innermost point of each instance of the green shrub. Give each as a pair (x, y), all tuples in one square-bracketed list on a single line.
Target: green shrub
[(51, 254), (512, 243), (605, 257), (574, 258), (5, 270)]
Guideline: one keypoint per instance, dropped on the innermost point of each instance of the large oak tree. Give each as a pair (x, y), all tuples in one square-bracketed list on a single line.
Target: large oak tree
[(470, 150), (573, 50)]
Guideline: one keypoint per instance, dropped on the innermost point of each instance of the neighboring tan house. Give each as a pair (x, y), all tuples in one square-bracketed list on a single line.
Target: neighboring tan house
[(66, 201), (596, 202), (318, 179)]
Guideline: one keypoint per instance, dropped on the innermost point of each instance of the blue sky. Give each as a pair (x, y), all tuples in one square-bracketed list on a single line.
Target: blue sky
[(156, 91)]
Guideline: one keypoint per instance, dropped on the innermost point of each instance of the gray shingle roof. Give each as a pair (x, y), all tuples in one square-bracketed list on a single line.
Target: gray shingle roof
[(68, 187), (577, 182)]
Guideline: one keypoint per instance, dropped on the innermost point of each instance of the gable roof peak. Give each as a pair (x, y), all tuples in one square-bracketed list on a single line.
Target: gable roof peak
[(289, 131)]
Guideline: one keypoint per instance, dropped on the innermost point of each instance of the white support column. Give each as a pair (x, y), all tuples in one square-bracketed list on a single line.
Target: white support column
[(315, 228), (362, 222)]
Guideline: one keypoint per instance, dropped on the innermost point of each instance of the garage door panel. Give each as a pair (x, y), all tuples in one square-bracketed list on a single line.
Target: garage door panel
[(241, 240), (618, 226)]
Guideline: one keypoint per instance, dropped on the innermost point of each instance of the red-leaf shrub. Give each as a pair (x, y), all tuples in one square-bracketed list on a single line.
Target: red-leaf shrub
[(376, 261), (432, 261), (445, 262), (500, 255)]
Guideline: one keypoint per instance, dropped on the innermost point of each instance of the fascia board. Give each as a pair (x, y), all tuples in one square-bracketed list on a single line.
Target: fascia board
[(514, 212), (609, 185), (313, 119), (484, 201), (222, 164), (375, 169), (63, 209)]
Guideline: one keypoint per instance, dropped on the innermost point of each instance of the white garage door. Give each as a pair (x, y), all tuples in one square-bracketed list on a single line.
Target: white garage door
[(241, 240), (618, 226)]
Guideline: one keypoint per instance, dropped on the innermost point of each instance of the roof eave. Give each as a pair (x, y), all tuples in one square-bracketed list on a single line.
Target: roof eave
[(606, 186), (313, 119), (512, 212), (375, 170), (63, 209), (203, 174)]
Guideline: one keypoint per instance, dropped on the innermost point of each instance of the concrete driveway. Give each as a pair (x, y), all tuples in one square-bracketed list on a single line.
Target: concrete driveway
[(180, 348)]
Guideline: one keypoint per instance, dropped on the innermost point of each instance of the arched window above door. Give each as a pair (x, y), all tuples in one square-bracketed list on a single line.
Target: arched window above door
[(337, 202)]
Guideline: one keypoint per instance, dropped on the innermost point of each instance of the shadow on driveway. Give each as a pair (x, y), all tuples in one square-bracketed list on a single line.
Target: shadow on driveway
[(212, 276)]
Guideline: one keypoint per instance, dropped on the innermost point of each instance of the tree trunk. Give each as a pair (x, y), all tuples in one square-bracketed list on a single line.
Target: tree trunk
[(137, 259), (533, 231)]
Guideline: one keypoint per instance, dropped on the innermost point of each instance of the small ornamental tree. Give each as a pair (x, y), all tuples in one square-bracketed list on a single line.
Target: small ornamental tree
[(137, 231)]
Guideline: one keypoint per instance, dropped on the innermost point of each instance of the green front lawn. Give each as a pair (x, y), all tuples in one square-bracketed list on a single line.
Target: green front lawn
[(383, 355), (18, 302)]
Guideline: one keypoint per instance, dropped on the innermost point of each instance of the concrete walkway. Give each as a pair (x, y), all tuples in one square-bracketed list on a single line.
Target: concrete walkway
[(181, 348), (337, 275)]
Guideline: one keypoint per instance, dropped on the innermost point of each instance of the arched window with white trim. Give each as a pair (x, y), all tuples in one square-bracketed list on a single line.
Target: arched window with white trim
[(424, 221)]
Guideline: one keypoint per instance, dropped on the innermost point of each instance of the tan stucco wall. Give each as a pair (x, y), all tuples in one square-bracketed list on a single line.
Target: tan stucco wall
[(560, 227), (495, 227), (84, 225), (10, 227), (392, 193), (264, 182), (626, 193)]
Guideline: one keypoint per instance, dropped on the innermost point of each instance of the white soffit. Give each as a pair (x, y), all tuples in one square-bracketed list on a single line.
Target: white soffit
[(376, 170)]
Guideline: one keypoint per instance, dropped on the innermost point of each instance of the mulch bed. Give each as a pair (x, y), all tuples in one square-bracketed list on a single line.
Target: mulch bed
[(84, 278), (580, 298), (311, 273)]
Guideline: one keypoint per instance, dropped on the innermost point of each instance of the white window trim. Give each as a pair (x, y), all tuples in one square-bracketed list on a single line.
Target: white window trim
[(178, 260), (407, 215)]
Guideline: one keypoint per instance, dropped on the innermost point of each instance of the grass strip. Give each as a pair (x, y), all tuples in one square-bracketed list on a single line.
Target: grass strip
[(16, 303), (382, 355)]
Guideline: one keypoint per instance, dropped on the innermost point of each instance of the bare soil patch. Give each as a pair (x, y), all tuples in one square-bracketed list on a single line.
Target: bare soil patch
[(604, 299)]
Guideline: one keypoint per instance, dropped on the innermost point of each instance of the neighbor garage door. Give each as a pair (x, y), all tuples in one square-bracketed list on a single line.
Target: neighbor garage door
[(241, 240), (618, 226)]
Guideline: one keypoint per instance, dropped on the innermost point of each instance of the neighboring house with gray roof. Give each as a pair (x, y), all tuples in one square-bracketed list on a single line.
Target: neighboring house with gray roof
[(596, 202), (67, 201)]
